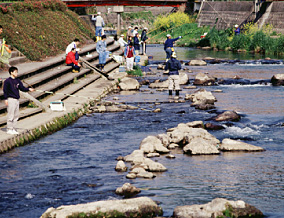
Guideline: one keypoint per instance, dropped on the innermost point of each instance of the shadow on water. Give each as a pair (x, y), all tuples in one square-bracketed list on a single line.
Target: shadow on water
[(76, 164)]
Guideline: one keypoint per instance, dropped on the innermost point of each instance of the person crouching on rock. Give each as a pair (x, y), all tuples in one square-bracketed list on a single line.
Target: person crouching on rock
[(129, 53), (71, 61), (173, 65)]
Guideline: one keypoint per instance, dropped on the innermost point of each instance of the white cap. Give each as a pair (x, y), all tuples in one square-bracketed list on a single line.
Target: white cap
[(130, 27), (174, 55), (236, 25), (145, 28), (168, 35), (121, 35), (99, 13)]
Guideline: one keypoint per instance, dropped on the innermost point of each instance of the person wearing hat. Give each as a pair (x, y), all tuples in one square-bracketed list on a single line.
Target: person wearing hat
[(121, 41), (144, 40), (129, 32), (168, 46), (173, 65), (129, 54), (136, 42), (237, 30), (99, 25)]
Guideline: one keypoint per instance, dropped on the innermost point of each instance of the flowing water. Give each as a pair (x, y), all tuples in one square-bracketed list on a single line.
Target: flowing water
[(76, 164)]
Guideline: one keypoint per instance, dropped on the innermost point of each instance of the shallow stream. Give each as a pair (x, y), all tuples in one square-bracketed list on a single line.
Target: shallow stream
[(76, 164)]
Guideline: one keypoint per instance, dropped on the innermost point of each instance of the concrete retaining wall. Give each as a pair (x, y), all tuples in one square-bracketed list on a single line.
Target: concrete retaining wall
[(231, 13)]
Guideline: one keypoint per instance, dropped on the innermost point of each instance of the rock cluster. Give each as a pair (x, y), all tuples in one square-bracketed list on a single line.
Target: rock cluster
[(201, 99), (184, 79), (111, 107), (204, 80)]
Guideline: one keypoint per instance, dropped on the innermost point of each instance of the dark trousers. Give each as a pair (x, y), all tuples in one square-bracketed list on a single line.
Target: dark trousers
[(75, 67)]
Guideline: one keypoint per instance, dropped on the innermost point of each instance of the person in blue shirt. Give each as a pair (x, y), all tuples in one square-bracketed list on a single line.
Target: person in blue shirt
[(173, 65), (237, 30), (168, 46), (11, 88)]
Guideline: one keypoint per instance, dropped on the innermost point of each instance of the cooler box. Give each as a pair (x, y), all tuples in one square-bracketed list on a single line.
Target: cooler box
[(57, 106)]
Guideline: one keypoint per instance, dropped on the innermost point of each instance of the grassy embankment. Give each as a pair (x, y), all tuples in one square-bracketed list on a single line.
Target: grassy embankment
[(40, 29), (251, 39)]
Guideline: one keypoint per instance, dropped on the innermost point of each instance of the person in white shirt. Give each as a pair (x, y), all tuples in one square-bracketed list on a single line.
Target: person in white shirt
[(135, 31), (121, 41), (75, 45)]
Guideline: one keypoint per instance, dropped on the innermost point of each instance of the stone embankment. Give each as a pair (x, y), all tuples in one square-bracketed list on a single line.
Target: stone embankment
[(54, 81)]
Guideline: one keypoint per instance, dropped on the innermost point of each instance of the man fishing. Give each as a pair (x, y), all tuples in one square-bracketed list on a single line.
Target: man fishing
[(168, 46)]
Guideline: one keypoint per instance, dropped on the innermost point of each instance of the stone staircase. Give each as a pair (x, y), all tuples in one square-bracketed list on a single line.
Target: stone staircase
[(52, 75)]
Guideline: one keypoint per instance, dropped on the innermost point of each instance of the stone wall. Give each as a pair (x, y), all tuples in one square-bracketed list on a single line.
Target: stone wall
[(231, 13), (228, 13)]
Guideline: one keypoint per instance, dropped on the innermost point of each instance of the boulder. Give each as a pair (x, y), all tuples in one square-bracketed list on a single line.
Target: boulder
[(201, 96), (131, 176), (277, 80), (151, 144), (154, 166), (212, 126), (129, 84), (127, 190), (153, 155), (227, 116), (200, 133), (165, 139), (215, 208), (203, 106), (138, 169), (233, 145), (138, 207), (184, 79), (158, 84), (176, 136), (113, 109), (200, 146), (146, 175), (120, 166), (204, 80), (197, 63), (135, 155), (196, 124)]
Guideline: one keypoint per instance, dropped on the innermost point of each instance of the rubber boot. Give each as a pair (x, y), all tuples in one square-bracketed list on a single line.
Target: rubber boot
[(97, 38), (170, 92), (177, 92), (167, 60)]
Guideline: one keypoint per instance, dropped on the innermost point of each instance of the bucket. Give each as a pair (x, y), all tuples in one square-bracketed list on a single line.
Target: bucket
[(137, 59)]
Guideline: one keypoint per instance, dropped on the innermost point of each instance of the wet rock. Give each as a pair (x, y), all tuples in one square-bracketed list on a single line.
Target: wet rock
[(212, 126), (233, 145), (127, 190), (184, 79), (151, 144), (277, 80), (120, 158), (153, 155), (176, 136), (173, 146), (196, 124), (136, 154), (154, 166), (156, 85), (115, 98), (127, 107), (170, 156), (131, 176), (215, 208), (203, 106), (157, 110), (120, 166), (144, 82), (190, 87), (164, 139), (227, 116), (138, 169), (146, 175), (129, 84), (197, 63), (200, 133), (138, 207), (204, 80), (200, 146), (201, 96), (114, 109)]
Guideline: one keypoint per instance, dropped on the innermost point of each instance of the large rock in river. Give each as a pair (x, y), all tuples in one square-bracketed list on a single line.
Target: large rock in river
[(165, 84), (129, 84), (227, 116), (138, 207), (197, 63), (201, 146), (201, 96), (151, 144), (204, 79), (127, 190), (277, 80), (233, 145), (216, 208)]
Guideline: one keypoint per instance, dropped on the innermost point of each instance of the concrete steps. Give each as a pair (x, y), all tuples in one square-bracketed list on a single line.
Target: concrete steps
[(54, 76)]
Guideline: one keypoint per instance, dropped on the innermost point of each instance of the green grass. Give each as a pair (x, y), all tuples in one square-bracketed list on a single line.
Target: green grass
[(135, 72)]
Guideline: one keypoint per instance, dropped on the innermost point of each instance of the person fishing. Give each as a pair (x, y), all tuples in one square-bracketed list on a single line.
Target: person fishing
[(237, 30), (168, 46), (173, 65)]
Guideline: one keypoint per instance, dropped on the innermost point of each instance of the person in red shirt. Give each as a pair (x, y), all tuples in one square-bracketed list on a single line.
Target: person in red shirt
[(71, 61), (129, 54)]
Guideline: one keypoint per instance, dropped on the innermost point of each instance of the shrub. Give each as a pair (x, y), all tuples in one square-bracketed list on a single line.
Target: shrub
[(259, 42), (241, 41)]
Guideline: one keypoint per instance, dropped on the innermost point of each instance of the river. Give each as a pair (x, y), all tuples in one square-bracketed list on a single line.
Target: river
[(76, 165)]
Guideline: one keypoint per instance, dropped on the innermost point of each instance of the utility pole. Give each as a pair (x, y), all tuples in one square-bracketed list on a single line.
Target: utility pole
[(118, 10)]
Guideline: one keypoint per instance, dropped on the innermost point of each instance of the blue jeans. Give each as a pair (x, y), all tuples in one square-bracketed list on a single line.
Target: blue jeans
[(99, 31), (102, 57), (169, 52), (75, 67)]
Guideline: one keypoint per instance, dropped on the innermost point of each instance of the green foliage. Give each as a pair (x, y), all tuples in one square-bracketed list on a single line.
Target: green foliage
[(259, 42), (99, 214), (42, 28), (32, 105), (240, 42), (143, 15), (135, 72)]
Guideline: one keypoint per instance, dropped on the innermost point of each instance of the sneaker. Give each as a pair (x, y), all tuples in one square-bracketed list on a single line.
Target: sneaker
[(75, 71), (12, 132)]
